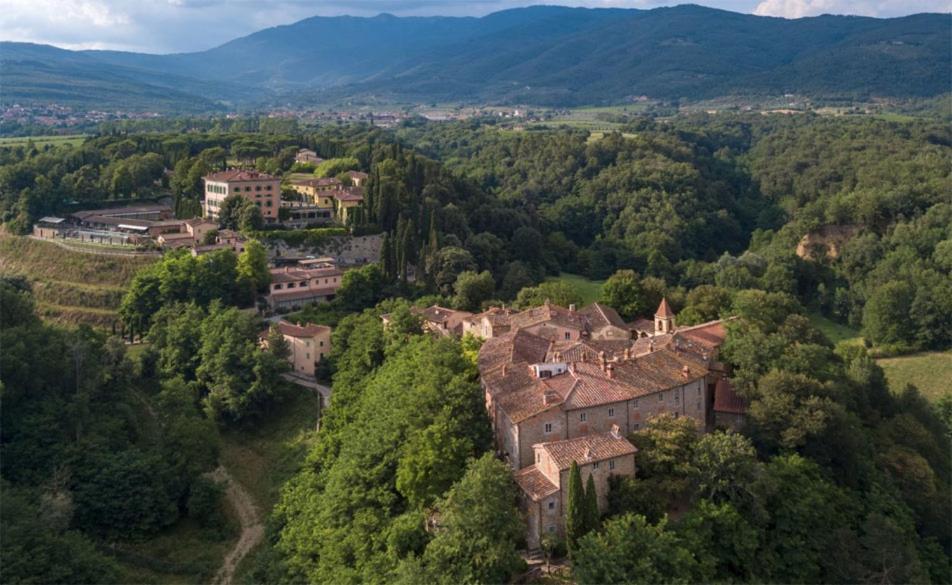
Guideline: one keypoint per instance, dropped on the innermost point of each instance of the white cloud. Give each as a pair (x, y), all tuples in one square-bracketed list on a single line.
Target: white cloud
[(879, 8)]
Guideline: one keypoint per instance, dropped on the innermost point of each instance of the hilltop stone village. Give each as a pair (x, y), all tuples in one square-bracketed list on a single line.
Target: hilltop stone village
[(564, 385)]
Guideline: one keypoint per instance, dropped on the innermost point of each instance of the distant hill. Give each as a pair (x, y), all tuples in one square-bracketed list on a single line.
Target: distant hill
[(539, 55)]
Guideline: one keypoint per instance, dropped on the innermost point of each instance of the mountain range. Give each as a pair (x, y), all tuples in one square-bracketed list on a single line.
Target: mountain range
[(541, 55)]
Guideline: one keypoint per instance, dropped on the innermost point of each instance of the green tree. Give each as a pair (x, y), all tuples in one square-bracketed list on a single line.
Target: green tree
[(576, 517), (630, 550), (472, 289), (555, 292), (624, 293), (592, 516), (480, 528), (252, 268), (250, 218)]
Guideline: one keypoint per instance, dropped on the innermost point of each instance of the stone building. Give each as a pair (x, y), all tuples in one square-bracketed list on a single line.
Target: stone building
[(562, 376), (544, 484)]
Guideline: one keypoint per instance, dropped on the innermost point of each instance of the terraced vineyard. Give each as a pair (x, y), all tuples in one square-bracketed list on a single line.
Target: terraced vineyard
[(70, 287)]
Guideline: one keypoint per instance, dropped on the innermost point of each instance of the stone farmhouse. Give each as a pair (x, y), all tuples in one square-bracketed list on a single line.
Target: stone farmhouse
[(306, 155), (262, 189), (440, 320), (566, 377), (329, 197)]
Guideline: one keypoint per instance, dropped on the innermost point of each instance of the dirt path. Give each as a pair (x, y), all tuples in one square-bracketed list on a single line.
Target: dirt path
[(252, 530)]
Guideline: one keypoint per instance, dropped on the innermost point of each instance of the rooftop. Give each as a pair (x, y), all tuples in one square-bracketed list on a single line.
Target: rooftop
[(239, 175), (308, 330), (534, 483), (587, 449)]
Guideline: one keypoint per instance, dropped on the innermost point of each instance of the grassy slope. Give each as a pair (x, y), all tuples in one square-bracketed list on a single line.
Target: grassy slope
[(70, 287), (588, 289), (265, 456), (930, 372)]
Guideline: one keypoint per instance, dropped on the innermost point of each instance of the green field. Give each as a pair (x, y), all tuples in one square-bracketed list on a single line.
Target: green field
[(930, 372), (587, 289), (41, 141)]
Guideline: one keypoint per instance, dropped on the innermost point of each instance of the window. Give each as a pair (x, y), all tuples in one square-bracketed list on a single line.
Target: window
[(550, 528), (268, 188), (552, 505), (660, 396), (257, 187), (677, 396), (595, 465), (637, 426), (699, 390), (635, 403), (611, 464), (548, 427), (538, 457), (568, 335), (611, 412), (236, 189), (307, 343), (322, 343), (307, 356), (582, 416)]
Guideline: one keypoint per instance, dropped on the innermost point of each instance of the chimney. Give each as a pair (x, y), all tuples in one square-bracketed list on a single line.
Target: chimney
[(686, 372), (584, 356), (588, 453), (504, 368), (616, 432), (572, 367), (549, 397), (627, 354), (651, 345), (610, 369), (558, 356)]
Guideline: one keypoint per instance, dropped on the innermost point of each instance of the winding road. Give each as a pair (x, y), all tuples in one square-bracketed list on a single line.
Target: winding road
[(252, 529)]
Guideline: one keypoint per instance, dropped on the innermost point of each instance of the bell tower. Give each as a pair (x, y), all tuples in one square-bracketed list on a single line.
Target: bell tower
[(664, 318)]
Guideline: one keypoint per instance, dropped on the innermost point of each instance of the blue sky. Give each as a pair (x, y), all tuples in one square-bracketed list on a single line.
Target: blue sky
[(166, 26)]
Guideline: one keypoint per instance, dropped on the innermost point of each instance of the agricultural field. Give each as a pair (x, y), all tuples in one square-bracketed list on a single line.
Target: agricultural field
[(42, 141), (70, 287)]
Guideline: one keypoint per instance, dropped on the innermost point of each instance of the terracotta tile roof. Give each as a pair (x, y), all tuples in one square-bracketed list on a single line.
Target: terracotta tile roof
[(642, 324), (603, 316), (586, 350), (513, 378), (726, 399), (664, 309), (530, 401), (309, 330), (550, 314), (239, 175), (351, 195), (534, 483), (657, 371), (586, 449), (358, 174), (711, 334), (591, 391), (438, 314)]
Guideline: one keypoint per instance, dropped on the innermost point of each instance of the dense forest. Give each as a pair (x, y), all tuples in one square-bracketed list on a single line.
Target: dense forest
[(837, 478)]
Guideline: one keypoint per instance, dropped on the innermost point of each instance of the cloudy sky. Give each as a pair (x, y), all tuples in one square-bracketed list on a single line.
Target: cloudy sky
[(167, 26)]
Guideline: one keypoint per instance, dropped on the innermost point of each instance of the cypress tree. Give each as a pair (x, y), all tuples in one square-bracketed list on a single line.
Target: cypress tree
[(575, 516), (592, 520)]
